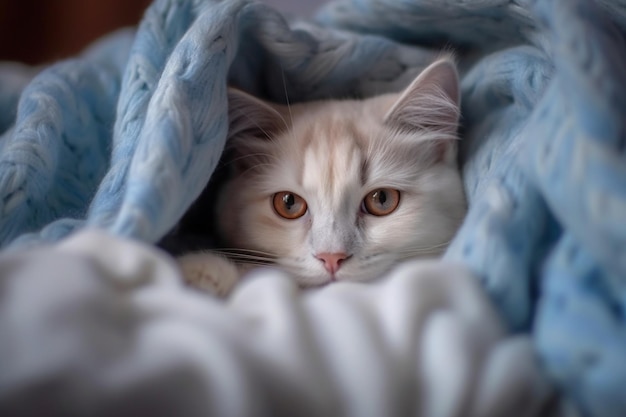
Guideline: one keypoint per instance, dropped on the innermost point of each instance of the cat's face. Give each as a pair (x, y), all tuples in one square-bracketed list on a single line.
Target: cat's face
[(342, 190)]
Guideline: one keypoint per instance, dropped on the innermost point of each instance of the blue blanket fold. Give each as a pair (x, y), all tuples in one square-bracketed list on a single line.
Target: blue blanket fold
[(125, 136)]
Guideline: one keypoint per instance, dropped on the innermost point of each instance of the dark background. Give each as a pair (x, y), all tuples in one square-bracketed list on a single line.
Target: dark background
[(40, 31), (37, 31)]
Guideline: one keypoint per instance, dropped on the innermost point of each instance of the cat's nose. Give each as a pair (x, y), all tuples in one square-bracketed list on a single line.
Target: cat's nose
[(332, 261)]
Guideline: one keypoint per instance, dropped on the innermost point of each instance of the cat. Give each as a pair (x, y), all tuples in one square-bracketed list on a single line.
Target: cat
[(338, 190)]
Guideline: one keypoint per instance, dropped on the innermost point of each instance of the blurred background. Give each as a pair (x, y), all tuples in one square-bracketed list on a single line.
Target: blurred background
[(39, 31)]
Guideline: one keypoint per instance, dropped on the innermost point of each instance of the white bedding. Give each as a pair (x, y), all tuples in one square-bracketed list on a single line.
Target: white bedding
[(101, 326)]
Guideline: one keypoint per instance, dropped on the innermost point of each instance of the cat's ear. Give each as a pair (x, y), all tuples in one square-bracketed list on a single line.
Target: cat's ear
[(430, 104), (252, 118), (431, 101), (252, 125)]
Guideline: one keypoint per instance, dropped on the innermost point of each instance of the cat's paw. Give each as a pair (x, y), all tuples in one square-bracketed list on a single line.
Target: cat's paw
[(209, 273)]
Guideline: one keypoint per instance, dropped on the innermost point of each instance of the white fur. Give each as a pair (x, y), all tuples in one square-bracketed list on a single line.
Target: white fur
[(320, 153)]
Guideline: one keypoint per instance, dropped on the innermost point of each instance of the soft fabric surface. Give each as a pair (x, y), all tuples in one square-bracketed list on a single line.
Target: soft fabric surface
[(125, 137), (122, 337)]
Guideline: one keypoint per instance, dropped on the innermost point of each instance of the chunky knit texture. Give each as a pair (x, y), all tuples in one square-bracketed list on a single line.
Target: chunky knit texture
[(125, 136)]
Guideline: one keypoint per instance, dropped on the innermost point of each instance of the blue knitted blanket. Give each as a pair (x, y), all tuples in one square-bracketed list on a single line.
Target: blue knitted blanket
[(125, 137)]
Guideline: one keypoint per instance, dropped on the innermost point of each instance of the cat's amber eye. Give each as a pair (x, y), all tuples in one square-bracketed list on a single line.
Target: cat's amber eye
[(289, 205), (381, 202)]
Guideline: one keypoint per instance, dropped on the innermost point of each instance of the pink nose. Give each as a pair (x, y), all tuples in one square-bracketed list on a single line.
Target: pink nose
[(332, 261)]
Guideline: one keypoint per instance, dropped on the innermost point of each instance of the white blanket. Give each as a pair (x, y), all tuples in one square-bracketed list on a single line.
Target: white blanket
[(101, 326)]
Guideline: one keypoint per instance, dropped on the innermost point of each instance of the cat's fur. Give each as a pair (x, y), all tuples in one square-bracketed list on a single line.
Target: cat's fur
[(332, 154)]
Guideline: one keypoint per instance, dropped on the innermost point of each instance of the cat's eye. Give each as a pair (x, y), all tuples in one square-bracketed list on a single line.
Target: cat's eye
[(381, 202), (289, 205)]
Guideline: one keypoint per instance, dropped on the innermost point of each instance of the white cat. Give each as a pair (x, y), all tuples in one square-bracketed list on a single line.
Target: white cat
[(338, 190)]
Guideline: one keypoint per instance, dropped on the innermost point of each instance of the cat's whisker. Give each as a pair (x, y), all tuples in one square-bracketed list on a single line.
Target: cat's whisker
[(247, 262), (282, 118), (409, 256), (282, 71), (291, 133), (241, 250), (422, 251), (238, 259), (254, 122), (437, 245), (243, 254), (252, 168), (259, 154), (248, 259), (247, 256)]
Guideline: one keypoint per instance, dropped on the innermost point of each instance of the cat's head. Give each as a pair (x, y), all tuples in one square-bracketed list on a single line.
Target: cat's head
[(342, 190)]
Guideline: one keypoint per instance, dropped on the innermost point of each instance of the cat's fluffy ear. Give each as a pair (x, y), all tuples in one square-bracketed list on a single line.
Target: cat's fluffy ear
[(251, 117), (430, 104), (252, 124)]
